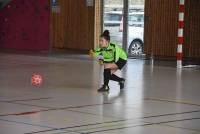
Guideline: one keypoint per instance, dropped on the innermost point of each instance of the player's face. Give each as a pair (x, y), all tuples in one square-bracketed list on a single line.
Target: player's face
[(103, 42)]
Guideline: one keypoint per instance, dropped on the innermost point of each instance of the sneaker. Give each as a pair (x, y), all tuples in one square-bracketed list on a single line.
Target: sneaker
[(104, 88), (121, 83)]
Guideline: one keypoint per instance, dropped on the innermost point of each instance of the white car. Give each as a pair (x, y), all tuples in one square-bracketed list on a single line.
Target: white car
[(136, 33), (135, 40), (113, 21), (112, 18)]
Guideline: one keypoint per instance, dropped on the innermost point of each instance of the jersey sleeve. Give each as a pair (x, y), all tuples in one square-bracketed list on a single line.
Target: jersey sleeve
[(120, 53), (97, 52)]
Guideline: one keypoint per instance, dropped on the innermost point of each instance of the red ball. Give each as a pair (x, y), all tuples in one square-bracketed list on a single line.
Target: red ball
[(36, 80)]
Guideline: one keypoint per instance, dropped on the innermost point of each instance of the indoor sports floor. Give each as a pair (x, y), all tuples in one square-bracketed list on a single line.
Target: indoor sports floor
[(156, 99)]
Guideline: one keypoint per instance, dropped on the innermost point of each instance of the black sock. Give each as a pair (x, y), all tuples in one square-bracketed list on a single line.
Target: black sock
[(107, 75), (115, 78)]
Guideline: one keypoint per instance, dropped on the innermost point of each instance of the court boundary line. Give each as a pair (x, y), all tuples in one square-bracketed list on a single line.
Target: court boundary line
[(153, 99), (54, 109), (133, 126), (108, 122), (172, 101), (147, 124), (72, 107), (31, 99)]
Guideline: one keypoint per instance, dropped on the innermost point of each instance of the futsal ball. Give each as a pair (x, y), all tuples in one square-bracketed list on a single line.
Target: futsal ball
[(36, 80)]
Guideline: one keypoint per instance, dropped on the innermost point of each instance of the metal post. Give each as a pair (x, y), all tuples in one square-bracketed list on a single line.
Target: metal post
[(102, 15), (125, 24), (180, 33)]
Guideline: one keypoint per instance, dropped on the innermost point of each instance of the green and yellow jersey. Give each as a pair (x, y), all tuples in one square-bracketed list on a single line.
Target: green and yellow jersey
[(111, 54)]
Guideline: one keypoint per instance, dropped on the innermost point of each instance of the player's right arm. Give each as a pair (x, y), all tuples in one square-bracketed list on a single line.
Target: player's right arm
[(95, 53)]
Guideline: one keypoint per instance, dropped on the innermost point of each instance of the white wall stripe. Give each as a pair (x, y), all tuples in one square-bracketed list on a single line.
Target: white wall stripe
[(181, 16), (179, 63), (180, 48), (180, 32), (182, 2)]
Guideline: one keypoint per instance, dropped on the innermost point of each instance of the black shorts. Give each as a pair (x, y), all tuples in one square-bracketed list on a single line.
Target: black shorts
[(121, 63)]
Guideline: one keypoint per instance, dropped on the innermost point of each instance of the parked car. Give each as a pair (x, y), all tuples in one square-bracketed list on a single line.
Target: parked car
[(132, 8), (135, 40), (136, 31), (136, 19), (112, 18)]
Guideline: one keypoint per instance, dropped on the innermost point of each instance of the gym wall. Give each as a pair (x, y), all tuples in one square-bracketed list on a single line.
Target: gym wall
[(73, 27), (161, 27), (24, 25)]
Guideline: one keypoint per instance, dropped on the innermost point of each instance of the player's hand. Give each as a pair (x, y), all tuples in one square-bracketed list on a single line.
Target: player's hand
[(101, 62), (91, 54)]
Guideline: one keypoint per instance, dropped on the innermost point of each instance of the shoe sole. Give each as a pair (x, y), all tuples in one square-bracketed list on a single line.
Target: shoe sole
[(123, 84)]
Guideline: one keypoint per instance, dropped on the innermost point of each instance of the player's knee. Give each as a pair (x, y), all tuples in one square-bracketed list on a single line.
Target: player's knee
[(107, 67)]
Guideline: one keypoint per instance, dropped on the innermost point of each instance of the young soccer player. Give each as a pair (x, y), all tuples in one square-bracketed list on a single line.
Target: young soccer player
[(113, 57)]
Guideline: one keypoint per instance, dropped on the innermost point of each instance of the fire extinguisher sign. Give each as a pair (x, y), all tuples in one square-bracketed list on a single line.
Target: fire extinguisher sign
[(55, 6)]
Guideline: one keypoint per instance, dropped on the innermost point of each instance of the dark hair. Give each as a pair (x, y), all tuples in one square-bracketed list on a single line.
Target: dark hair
[(106, 35)]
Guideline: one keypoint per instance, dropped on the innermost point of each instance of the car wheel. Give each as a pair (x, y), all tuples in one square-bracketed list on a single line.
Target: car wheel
[(136, 48)]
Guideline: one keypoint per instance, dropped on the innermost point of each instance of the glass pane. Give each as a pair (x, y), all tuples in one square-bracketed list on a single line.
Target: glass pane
[(136, 27), (113, 10)]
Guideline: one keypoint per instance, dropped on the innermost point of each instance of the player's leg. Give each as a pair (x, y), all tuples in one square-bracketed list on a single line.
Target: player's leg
[(113, 67), (106, 74), (118, 65), (109, 69)]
